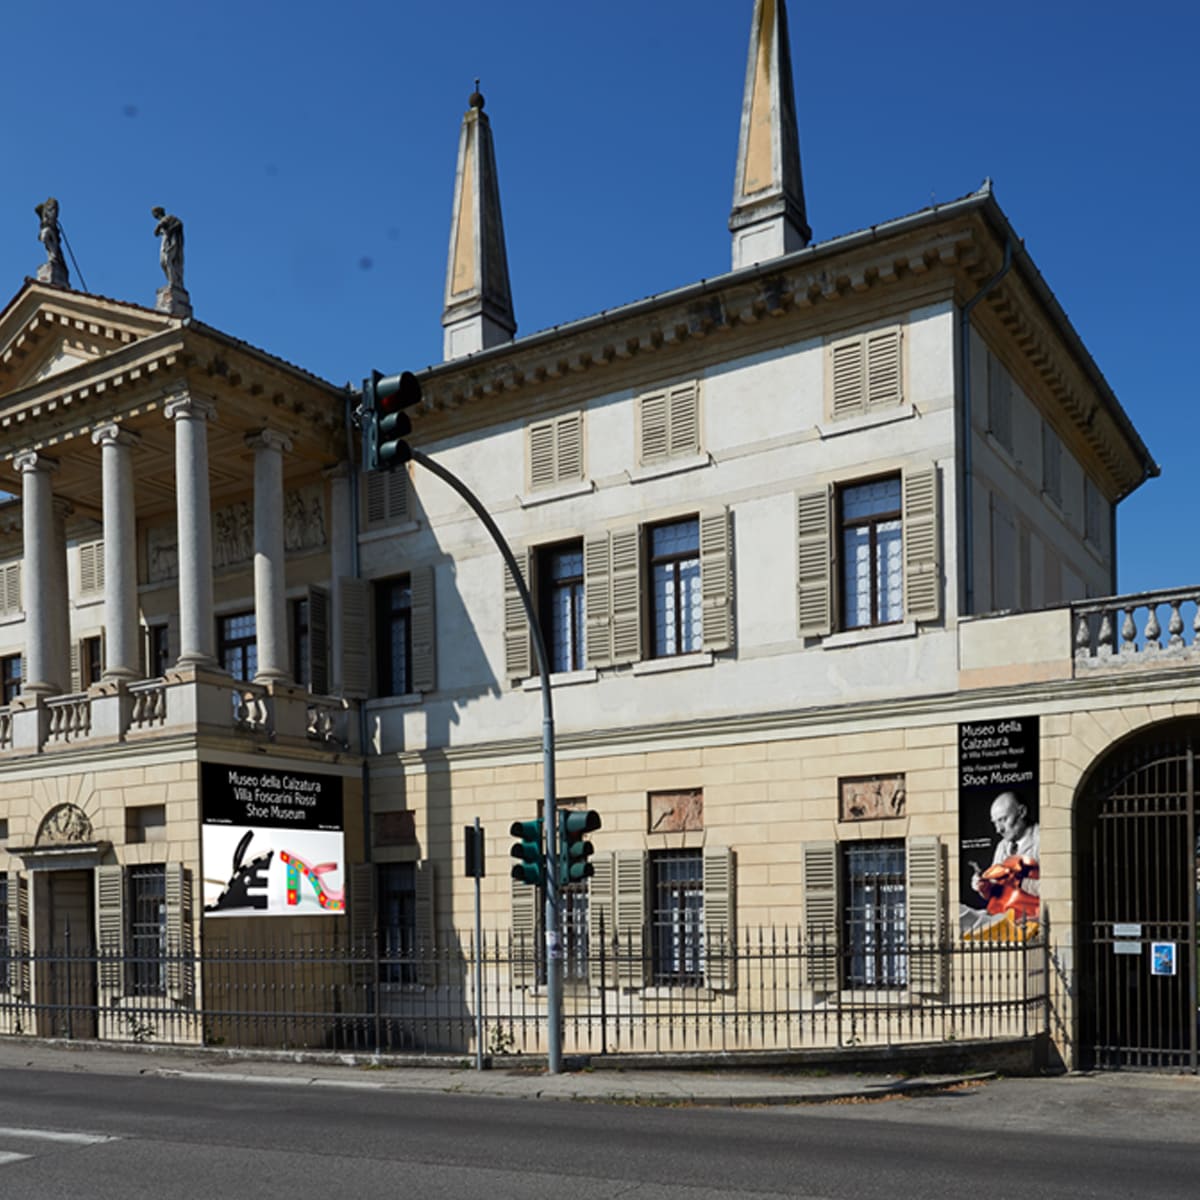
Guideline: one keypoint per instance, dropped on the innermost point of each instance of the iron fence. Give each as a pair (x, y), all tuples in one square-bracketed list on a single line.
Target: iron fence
[(768, 989)]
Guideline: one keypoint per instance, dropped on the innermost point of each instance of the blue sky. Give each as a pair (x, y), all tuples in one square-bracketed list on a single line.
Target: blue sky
[(310, 149)]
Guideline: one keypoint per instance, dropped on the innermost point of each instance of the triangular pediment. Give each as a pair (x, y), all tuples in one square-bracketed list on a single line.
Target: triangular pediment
[(47, 331)]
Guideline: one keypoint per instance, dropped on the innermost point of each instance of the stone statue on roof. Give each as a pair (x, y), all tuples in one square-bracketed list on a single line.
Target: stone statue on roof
[(173, 298), (170, 255), (54, 269)]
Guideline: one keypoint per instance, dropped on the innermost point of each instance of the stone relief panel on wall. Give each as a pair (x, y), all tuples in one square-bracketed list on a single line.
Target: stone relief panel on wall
[(676, 812), (233, 533), (871, 798), (65, 824)]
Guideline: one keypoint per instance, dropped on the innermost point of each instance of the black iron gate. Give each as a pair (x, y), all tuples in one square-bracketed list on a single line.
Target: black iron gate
[(1138, 894)]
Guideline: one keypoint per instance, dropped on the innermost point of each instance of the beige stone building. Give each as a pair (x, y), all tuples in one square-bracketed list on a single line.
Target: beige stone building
[(823, 550)]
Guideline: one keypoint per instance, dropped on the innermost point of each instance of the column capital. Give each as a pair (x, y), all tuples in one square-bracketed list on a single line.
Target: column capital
[(339, 470), (29, 461), (188, 406), (268, 439), (113, 434)]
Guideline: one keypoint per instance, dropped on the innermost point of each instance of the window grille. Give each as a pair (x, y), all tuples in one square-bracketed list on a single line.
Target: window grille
[(147, 932), (874, 917), (677, 920), (397, 912)]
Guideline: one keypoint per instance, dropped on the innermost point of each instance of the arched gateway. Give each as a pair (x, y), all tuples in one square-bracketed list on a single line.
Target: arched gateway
[(1137, 882)]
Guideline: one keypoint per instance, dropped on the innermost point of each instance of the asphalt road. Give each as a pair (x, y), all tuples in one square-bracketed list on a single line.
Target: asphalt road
[(98, 1137)]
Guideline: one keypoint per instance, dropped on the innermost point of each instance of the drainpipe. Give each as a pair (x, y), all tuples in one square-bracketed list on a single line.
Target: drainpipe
[(354, 573), (967, 510)]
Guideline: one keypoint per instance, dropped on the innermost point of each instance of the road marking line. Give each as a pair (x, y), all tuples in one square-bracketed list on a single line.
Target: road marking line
[(54, 1135), (6, 1157)]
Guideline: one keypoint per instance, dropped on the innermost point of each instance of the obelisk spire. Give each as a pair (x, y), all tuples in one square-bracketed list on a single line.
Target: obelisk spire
[(768, 217), (479, 308)]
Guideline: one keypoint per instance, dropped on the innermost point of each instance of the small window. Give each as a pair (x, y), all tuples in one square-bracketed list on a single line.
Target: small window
[(91, 664), (874, 928), (559, 572), (393, 637), (91, 568), (872, 557), (675, 597), (10, 677), (556, 451), (237, 645), (865, 373), (387, 498), (157, 655), (677, 917), (10, 589), (397, 905), (669, 424), (999, 402), (146, 935), (300, 636), (1051, 464)]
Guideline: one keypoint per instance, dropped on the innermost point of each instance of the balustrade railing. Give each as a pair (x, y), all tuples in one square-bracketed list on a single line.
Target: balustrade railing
[(327, 721), (1140, 630), (6, 729), (68, 718), (148, 704), (252, 709)]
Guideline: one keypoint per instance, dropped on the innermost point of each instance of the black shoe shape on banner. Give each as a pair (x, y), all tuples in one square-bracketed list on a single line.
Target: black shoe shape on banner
[(237, 893)]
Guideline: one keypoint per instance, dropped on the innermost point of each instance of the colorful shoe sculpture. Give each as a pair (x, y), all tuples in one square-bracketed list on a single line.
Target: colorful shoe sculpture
[(331, 899)]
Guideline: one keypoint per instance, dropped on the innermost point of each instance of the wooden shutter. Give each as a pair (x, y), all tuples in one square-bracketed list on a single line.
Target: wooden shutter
[(926, 891), (814, 560), (518, 648), (654, 442), (848, 373), (541, 455), (355, 618), (568, 449), (10, 588), (629, 906), (318, 640), (999, 402), (426, 938), (716, 580), (110, 924), (180, 966), (18, 936), (524, 952), (922, 546), (91, 567), (361, 877), (76, 666), (720, 930), (626, 595), (821, 915), (424, 630), (376, 506), (602, 916), (683, 420), (387, 497), (597, 599), (884, 375)]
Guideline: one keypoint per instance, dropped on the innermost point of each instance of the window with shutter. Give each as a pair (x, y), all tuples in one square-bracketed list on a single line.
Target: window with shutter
[(716, 580), (526, 951), (922, 545), (426, 929), (355, 616), (1051, 464), (669, 424), (518, 649), (814, 564), (999, 402), (630, 916), (10, 589), (317, 641), (626, 593), (926, 915), (597, 599), (110, 925), (424, 630), (601, 921), (821, 912), (874, 934), (555, 450), (866, 373), (387, 497), (91, 568), (720, 930)]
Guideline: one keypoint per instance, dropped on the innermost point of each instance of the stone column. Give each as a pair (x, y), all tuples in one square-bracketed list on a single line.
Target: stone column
[(197, 634), (46, 662), (120, 552), (341, 565), (270, 582)]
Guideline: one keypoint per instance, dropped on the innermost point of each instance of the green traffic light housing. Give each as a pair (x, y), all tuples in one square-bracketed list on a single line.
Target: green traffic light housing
[(527, 849), (574, 849), (385, 423)]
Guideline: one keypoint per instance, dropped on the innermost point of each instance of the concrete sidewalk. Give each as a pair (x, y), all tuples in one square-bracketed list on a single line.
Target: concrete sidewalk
[(723, 1087)]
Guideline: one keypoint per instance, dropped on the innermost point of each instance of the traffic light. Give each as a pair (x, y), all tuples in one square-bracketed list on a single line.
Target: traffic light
[(528, 849), (385, 424), (574, 849)]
